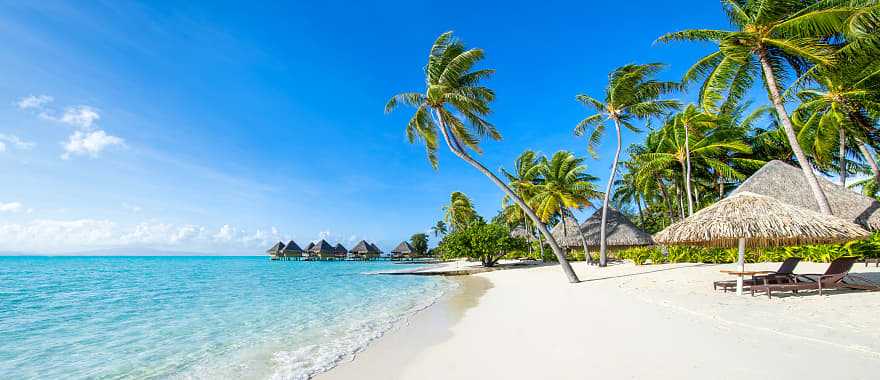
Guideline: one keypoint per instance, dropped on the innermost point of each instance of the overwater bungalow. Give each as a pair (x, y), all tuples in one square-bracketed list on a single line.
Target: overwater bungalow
[(275, 251), (322, 250), (365, 251), (404, 250), (292, 251), (339, 251), (375, 247)]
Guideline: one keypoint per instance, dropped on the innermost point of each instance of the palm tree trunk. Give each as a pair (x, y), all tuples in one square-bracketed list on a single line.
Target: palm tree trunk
[(680, 194), (456, 149), (770, 77), (666, 199), (541, 247), (639, 206), (686, 166), (603, 245), (687, 187), (842, 152), (870, 159)]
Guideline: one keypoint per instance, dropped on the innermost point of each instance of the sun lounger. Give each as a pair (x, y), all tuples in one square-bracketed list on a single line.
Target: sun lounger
[(783, 274), (837, 276)]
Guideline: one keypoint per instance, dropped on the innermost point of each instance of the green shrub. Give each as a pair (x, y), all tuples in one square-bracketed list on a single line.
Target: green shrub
[(816, 253)]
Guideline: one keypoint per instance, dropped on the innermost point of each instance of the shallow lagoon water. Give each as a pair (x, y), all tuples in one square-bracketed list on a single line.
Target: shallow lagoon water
[(195, 317)]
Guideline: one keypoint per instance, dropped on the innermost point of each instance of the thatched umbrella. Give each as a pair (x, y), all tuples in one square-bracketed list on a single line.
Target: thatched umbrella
[(619, 231), (292, 249), (403, 249), (787, 183), (276, 249), (749, 219)]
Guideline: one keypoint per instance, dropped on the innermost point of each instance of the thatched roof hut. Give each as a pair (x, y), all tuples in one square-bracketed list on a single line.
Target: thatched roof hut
[(310, 246), (292, 249), (364, 248), (787, 183), (403, 249), (276, 249), (520, 232), (566, 234), (322, 248), (619, 230), (375, 247), (762, 221), (339, 250)]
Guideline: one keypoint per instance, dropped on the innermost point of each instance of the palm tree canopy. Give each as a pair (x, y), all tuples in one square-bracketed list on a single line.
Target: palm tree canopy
[(460, 211), (565, 185), (452, 92), (631, 94)]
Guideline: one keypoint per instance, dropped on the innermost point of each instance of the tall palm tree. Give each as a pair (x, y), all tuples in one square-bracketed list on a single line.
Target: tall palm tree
[(692, 118), (566, 187), (455, 104), (770, 35), (631, 94), (459, 212), (439, 228)]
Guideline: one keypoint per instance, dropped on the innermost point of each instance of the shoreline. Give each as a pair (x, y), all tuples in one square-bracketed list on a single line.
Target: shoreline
[(427, 327), (624, 322)]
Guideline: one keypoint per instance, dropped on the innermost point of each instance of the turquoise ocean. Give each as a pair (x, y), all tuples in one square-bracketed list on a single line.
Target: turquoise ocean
[(195, 317)]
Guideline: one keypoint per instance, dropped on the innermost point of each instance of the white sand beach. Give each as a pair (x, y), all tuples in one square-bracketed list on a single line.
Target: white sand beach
[(629, 322)]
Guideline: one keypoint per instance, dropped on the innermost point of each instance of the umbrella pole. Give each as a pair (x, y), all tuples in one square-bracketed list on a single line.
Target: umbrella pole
[(741, 265)]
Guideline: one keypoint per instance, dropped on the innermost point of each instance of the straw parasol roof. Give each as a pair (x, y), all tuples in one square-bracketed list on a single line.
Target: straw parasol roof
[(292, 248), (762, 221), (404, 248), (619, 230), (276, 249), (363, 248), (322, 247), (569, 238), (787, 183)]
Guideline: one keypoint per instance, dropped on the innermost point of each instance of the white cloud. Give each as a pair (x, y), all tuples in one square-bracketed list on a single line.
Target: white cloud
[(14, 141), (79, 116), (51, 236), (90, 143), (34, 101), (10, 207)]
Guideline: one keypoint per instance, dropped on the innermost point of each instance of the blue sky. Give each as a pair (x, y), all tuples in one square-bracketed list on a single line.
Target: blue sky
[(223, 126)]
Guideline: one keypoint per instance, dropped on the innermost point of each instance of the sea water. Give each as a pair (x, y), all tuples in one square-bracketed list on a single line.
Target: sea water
[(195, 317)]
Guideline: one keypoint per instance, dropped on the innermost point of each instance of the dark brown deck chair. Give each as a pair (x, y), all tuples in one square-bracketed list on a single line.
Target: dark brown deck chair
[(781, 275), (837, 276)]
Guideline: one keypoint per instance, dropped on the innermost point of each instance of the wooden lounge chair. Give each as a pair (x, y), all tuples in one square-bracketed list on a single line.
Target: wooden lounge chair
[(837, 276), (783, 274)]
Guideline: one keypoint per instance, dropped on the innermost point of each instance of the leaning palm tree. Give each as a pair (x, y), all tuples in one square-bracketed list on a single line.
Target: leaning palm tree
[(566, 187), (769, 35), (455, 104), (631, 94)]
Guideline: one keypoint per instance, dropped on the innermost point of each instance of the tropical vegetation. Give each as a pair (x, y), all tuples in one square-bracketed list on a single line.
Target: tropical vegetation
[(818, 66)]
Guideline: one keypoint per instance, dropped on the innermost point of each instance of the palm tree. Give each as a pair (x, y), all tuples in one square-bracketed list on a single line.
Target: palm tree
[(455, 104), (459, 213), (631, 94), (527, 174), (566, 187), (689, 118), (439, 228), (770, 35)]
